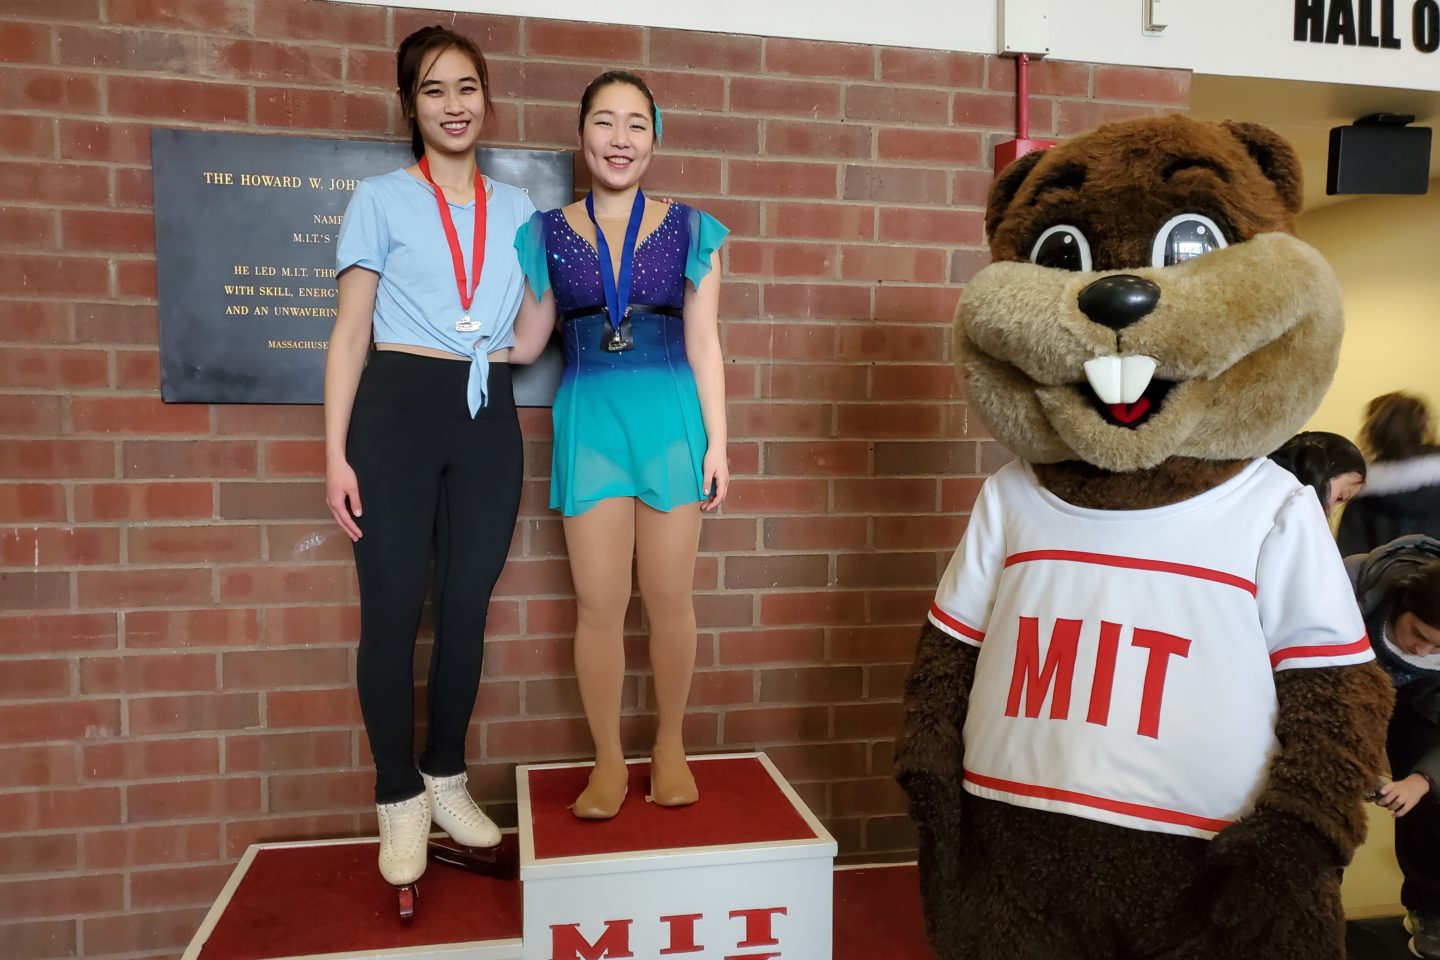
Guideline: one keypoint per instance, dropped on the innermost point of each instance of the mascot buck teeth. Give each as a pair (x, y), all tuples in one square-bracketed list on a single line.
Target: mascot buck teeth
[(1144, 712)]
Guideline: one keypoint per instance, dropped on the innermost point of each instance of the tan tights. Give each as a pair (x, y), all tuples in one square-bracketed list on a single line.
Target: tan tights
[(601, 544)]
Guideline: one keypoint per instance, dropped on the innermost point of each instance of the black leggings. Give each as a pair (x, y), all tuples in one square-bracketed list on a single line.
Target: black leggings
[(1417, 834), (427, 469)]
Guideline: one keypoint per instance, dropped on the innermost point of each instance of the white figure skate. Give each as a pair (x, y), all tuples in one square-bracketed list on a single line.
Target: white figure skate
[(404, 830), (456, 812)]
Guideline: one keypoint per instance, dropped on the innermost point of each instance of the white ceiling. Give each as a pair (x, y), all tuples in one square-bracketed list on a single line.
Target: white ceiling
[(1303, 113)]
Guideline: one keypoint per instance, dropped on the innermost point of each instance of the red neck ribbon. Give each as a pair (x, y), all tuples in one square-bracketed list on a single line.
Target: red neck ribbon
[(477, 252)]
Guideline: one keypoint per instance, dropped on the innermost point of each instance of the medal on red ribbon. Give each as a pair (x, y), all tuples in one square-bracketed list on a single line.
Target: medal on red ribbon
[(477, 252)]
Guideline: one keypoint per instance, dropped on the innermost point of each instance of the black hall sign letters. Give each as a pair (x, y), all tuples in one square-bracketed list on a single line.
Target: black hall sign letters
[(245, 231), (1369, 23)]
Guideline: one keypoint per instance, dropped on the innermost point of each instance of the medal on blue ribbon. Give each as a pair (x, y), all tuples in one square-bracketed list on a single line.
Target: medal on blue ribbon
[(617, 290)]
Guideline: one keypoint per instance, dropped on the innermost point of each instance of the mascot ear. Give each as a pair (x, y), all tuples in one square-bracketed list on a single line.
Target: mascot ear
[(1277, 160), (1003, 190)]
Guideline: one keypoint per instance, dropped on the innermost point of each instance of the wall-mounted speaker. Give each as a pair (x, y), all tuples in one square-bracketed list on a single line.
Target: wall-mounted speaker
[(1379, 154)]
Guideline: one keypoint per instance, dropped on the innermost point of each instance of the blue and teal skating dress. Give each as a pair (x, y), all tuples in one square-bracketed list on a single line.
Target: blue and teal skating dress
[(627, 424)]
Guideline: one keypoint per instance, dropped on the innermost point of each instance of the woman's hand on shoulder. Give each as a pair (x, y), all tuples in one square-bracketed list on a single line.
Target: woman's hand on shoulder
[(716, 469), (342, 496)]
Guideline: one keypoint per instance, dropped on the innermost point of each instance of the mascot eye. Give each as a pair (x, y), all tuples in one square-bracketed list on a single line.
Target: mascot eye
[(1063, 247), (1185, 237)]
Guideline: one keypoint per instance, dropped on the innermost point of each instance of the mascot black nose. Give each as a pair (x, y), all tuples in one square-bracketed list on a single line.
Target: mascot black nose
[(1117, 302)]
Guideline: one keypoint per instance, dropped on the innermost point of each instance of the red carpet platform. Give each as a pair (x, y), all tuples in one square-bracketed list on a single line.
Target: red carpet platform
[(327, 899), (742, 804), (877, 914), (747, 871), (319, 900)]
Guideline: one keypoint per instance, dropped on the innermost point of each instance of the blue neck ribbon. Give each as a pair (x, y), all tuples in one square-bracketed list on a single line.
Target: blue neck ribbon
[(617, 293)]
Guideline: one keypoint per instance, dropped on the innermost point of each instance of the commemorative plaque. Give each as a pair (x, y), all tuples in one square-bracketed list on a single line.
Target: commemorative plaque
[(245, 231)]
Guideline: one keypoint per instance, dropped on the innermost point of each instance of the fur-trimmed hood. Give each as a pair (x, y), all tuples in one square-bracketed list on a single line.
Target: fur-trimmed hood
[(1401, 476), (1375, 576)]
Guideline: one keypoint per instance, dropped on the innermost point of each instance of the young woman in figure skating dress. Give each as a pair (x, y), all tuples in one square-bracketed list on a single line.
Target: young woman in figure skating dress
[(639, 420)]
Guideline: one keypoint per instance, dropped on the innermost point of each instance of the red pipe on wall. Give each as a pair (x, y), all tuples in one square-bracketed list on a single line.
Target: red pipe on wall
[(1010, 150), (1022, 97)]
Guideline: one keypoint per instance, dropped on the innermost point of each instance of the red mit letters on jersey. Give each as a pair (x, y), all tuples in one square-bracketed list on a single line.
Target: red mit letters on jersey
[(1127, 658)]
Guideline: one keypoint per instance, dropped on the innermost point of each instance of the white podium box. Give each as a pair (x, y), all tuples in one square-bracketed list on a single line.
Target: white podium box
[(745, 874), (325, 900)]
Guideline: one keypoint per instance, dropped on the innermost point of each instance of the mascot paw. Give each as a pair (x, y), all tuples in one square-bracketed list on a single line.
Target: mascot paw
[(935, 809), (1263, 875)]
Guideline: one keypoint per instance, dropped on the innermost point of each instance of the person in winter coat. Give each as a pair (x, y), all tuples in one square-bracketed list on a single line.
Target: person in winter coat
[(1402, 488), (1398, 589)]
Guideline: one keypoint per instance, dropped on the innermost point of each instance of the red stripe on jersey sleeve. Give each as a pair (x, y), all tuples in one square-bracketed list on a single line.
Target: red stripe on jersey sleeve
[(1138, 810), (1326, 650), (1134, 563), (963, 629)]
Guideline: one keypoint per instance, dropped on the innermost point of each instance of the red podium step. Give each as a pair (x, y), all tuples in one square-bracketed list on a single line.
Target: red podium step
[(325, 900), (746, 872), (742, 804), (877, 913)]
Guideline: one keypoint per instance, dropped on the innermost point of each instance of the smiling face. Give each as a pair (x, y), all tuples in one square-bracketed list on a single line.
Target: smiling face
[(449, 104), (617, 136), (1147, 301)]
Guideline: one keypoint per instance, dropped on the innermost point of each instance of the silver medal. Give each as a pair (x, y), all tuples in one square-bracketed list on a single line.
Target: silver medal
[(466, 325)]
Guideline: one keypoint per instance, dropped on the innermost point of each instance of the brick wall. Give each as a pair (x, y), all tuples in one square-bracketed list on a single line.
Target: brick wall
[(179, 616)]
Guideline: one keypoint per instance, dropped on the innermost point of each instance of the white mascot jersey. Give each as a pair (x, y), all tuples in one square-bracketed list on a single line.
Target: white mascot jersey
[(1127, 657)]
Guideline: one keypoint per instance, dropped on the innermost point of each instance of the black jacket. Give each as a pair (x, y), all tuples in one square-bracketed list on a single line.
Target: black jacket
[(1374, 577), (1399, 497)]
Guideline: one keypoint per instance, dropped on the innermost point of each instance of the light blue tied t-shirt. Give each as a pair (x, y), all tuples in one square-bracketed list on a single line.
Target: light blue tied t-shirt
[(392, 227)]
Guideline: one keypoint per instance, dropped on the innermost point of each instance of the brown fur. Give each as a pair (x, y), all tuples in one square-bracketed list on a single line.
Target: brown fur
[(1250, 336), (1176, 479), (1268, 305), (928, 765), (1329, 724), (1128, 187)]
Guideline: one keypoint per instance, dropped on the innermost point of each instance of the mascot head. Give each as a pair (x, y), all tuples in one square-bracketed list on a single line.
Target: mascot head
[(1148, 300)]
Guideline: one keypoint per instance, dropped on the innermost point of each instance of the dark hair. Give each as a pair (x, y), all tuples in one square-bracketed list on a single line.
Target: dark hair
[(1397, 427), (1418, 592), (411, 54), (604, 80), (1316, 458)]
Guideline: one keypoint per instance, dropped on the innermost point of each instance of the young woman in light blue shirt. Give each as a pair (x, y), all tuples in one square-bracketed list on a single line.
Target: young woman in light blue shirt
[(422, 431)]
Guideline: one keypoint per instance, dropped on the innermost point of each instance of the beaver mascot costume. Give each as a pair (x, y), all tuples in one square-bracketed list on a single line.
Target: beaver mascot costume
[(1144, 713)]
